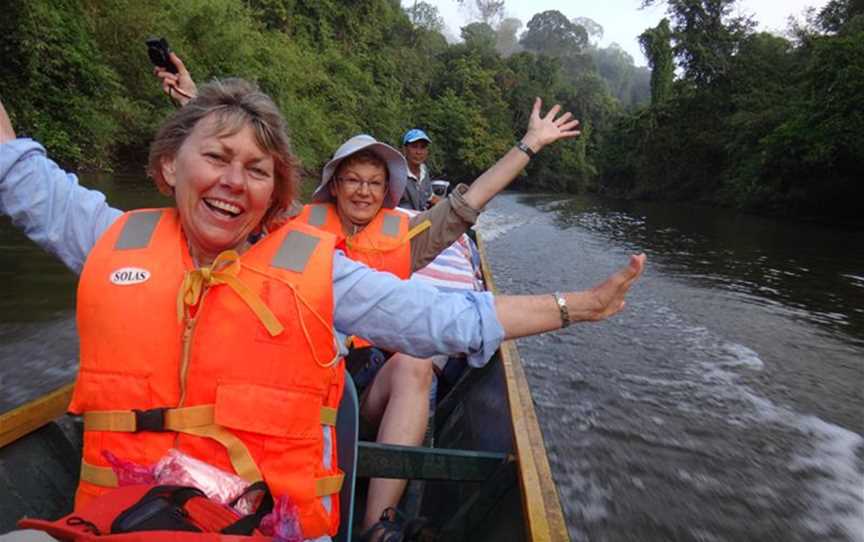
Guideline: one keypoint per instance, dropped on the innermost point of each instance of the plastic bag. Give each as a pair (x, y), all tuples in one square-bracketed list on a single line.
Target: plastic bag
[(179, 469), (282, 523)]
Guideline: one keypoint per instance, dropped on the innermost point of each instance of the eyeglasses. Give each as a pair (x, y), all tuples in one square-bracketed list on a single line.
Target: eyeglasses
[(353, 184)]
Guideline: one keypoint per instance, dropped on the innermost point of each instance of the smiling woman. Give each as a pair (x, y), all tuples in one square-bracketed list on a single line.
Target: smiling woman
[(247, 381)]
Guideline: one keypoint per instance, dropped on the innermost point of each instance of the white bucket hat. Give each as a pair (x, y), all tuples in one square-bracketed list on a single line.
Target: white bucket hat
[(396, 167)]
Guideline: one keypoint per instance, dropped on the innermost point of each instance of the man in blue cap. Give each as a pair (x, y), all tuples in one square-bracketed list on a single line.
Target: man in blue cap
[(418, 190)]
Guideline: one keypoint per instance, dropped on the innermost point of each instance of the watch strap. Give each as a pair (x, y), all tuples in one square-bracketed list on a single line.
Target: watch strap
[(522, 146)]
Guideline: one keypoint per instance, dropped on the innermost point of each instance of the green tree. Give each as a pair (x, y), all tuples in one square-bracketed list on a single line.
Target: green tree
[(592, 27), (551, 33), (656, 44), (55, 83), (424, 15), (479, 36), (705, 36)]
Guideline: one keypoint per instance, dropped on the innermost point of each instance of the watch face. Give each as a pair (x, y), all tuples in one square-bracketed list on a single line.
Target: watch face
[(562, 309)]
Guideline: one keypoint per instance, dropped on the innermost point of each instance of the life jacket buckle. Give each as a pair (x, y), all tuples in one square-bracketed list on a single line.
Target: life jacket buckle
[(150, 420)]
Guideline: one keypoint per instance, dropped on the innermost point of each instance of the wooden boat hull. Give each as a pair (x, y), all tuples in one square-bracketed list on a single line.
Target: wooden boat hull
[(487, 478)]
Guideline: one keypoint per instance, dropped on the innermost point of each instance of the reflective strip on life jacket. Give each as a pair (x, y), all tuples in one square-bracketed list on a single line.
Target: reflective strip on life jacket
[(138, 230), (318, 216), (390, 226), (295, 251)]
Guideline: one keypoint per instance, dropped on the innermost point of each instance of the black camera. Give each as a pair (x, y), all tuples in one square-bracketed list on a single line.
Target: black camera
[(160, 54)]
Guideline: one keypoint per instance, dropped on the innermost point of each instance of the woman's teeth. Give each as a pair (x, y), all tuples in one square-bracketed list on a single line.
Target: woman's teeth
[(224, 206)]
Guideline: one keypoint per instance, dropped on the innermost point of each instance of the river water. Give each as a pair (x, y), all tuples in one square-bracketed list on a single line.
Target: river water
[(725, 404)]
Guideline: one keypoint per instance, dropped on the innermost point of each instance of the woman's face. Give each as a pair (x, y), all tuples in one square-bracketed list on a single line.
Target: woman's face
[(223, 185), (359, 189)]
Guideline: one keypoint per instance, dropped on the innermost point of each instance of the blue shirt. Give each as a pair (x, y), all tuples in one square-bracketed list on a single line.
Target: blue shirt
[(66, 219)]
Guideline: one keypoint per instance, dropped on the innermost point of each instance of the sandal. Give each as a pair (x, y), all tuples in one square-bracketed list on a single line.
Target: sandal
[(393, 527)]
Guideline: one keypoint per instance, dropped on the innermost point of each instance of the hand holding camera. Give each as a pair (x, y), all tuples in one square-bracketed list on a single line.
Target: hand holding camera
[(176, 81)]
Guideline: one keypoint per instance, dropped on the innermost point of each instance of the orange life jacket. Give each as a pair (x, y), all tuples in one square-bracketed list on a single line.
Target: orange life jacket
[(236, 391), (384, 244)]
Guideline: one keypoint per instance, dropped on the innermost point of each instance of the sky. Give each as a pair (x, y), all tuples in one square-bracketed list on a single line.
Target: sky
[(622, 20)]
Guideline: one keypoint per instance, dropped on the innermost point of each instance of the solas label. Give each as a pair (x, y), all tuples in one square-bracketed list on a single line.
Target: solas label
[(126, 276)]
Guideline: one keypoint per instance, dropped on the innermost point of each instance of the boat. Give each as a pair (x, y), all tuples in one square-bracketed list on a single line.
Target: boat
[(486, 478)]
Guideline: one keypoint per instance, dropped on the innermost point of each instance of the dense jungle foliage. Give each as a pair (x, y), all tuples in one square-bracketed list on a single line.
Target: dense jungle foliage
[(727, 115)]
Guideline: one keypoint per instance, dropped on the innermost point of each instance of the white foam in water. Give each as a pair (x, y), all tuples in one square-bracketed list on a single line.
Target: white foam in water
[(493, 223), (856, 280), (839, 496), (837, 493), (834, 474)]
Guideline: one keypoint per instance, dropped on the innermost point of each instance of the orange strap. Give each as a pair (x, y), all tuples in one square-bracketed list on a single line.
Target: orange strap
[(224, 270), (196, 420), (105, 477), (176, 419)]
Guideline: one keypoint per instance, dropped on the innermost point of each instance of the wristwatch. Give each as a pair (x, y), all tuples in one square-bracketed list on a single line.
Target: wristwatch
[(562, 309), (522, 146)]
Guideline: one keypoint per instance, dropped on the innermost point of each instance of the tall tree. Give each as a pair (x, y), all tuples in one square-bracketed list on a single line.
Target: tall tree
[(656, 44), (553, 34), (490, 12), (479, 36), (594, 29), (836, 13), (426, 16), (706, 36), (507, 40)]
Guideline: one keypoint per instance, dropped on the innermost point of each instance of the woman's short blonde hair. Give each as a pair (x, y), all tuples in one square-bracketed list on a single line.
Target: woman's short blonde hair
[(234, 103)]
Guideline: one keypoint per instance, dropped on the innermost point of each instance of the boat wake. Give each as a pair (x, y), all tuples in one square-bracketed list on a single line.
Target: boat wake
[(822, 455), (494, 223)]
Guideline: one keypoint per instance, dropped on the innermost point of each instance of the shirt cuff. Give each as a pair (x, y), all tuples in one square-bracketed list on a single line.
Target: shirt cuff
[(461, 207), (490, 330), (15, 150)]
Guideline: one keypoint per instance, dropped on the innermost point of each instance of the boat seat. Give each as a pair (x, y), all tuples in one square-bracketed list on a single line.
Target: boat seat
[(347, 422)]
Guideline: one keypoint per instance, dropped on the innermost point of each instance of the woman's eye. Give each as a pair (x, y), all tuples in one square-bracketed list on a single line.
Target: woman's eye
[(259, 173), (214, 156)]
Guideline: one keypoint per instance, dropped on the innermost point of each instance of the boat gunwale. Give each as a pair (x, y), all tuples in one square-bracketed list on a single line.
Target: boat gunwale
[(24, 419), (544, 517)]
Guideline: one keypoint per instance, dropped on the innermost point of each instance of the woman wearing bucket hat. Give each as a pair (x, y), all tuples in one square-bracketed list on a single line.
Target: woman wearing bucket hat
[(360, 187)]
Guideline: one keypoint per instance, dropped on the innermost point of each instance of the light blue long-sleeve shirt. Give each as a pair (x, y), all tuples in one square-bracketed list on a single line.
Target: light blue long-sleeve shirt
[(66, 219)]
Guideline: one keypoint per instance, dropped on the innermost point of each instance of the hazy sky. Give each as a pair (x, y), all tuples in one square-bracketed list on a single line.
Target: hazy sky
[(622, 20)]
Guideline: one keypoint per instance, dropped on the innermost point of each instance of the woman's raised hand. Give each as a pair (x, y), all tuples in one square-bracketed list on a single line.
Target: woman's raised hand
[(178, 86), (607, 298), (548, 129)]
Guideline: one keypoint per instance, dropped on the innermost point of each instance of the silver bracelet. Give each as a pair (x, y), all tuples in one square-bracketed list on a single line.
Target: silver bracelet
[(562, 309)]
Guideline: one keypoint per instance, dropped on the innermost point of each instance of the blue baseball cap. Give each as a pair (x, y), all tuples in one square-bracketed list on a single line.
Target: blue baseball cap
[(414, 134)]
